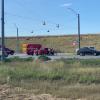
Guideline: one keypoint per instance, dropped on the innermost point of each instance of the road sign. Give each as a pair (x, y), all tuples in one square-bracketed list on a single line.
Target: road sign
[(75, 43)]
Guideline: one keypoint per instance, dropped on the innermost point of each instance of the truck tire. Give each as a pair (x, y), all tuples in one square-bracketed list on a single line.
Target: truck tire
[(36, 53), (32, 53)]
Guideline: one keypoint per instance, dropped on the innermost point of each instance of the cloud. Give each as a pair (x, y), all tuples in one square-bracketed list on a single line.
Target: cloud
[(66, 5)]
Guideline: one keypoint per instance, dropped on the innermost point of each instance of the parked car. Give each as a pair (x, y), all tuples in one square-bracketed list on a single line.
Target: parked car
[(88, 51), (7, 51), (93, 48)]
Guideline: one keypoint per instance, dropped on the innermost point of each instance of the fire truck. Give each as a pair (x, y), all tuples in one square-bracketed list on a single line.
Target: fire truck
[(37, 49)]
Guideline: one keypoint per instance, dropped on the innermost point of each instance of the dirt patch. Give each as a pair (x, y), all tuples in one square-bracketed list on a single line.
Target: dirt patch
[(10, 93)]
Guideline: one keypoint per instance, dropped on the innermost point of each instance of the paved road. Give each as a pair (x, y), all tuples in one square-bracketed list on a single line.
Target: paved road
[(59, 56)]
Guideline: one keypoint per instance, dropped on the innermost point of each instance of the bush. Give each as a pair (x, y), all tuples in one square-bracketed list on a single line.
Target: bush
[(44, 58), (18, 59)]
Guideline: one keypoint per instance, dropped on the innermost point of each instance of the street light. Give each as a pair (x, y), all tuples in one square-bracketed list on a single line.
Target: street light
[(17, 39), (2, 31), (78, 19)]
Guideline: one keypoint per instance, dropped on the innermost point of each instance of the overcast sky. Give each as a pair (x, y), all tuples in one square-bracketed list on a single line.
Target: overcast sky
[(29, 15)]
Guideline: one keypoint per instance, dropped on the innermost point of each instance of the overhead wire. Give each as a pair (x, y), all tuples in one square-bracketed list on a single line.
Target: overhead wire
[(28, 10), (49, 25)]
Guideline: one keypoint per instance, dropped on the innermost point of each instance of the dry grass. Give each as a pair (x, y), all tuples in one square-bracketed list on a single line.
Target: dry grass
[(60, 43), (65, 92)]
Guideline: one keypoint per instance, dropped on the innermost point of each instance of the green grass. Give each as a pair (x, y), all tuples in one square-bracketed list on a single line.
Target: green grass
[(69, 78), (71, 71), (18, 59)]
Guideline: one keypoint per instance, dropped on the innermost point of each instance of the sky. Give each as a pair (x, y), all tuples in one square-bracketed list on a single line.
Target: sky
[(29, 16)]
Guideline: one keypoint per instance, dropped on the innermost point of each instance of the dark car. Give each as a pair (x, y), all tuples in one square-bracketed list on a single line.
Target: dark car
[(8, 51), (88, 51), (5, 53)]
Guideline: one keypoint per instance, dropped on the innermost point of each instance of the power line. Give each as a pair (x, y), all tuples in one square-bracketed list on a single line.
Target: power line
[(19, 16), (47, 23)]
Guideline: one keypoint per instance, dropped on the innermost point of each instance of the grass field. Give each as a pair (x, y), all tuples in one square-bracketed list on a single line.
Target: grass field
[(65, 78), (70, 79), (59, 43)]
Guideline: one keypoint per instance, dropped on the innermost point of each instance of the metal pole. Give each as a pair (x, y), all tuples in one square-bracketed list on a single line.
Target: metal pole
[(78, 18), (2, 31), (17, 45), (79, 31)]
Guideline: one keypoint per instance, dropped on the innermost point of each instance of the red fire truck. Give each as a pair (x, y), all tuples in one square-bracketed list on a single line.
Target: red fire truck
[(37, 49)]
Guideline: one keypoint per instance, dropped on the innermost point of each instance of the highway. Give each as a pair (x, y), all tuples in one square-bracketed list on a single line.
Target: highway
[(58, 56)]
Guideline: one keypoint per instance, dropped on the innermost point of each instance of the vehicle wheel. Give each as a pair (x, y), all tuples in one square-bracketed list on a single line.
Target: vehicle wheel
[(6, 55), (12, 53), (36, 54), (32, 54), (28, 53), (52, 53), (95, 54), (82, 54)]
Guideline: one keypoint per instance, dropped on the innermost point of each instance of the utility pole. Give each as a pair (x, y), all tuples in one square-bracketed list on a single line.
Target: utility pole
[(17, 42), (79, 31), (2, 31), (78, 20), (17, 38)]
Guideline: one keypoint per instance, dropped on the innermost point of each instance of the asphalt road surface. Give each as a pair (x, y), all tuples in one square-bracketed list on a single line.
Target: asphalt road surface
[(58, 56)]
